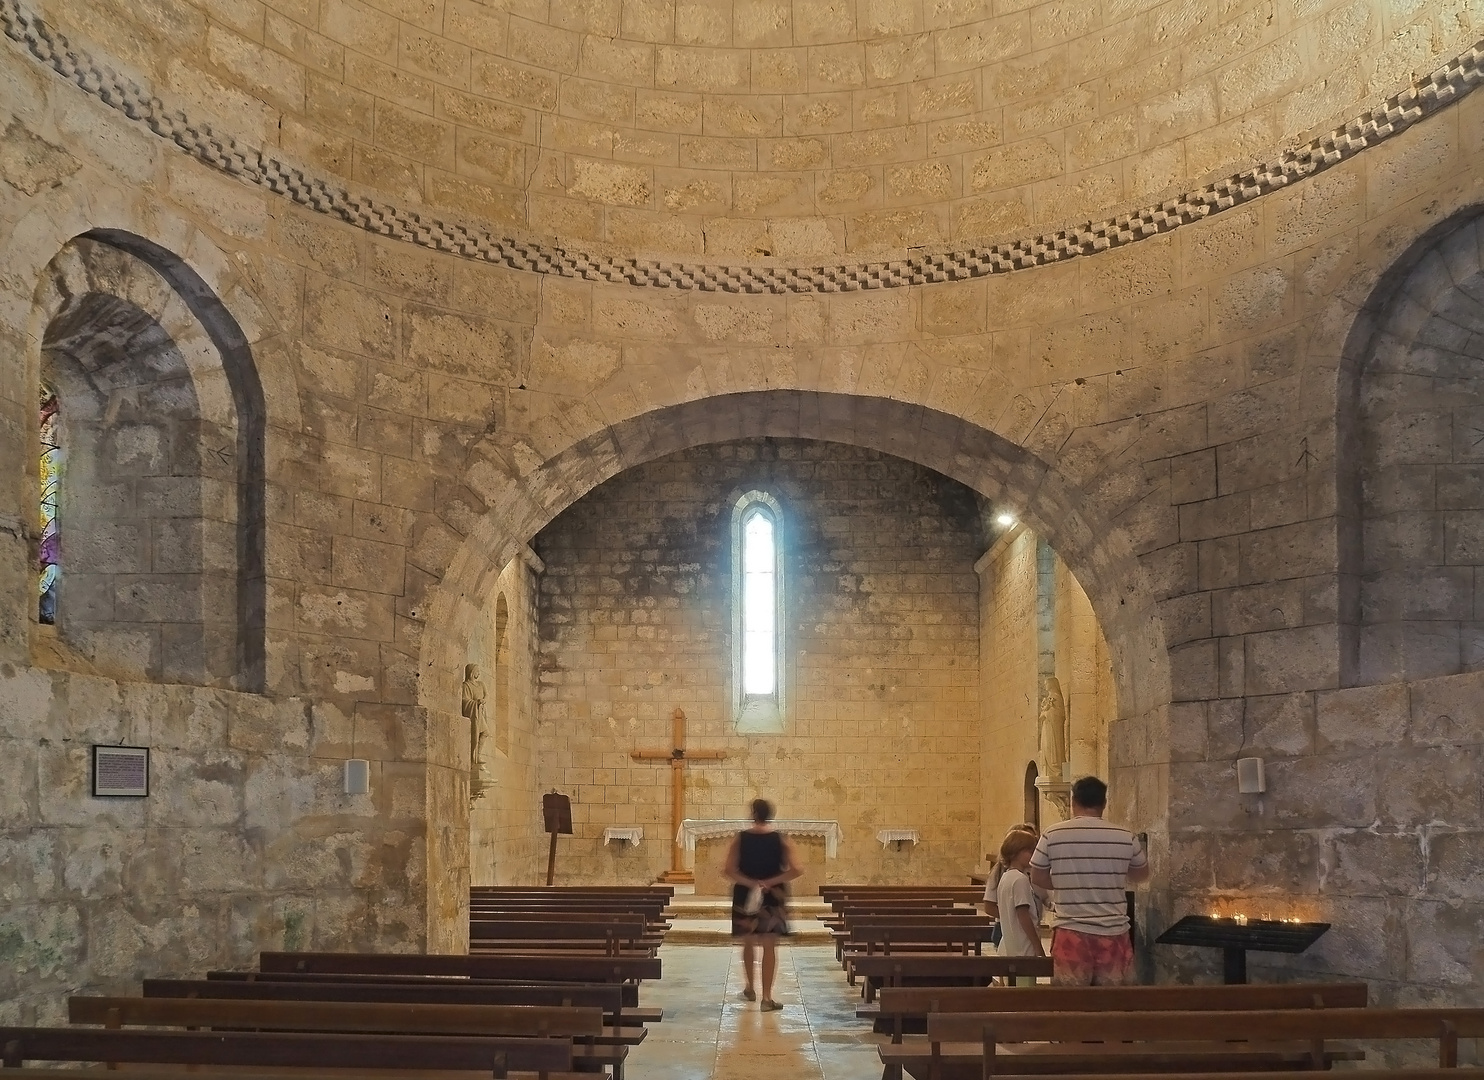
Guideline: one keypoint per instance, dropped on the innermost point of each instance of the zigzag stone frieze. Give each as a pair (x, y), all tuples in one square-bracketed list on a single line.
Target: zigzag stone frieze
[(260, 168)]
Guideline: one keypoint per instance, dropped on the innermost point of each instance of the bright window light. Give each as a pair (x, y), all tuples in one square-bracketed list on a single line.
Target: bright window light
[(759, 605), (1006, 520)]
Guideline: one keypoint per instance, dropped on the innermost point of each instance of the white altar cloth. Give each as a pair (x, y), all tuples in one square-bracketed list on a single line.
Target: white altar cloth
[(632, 834), (693, 829), (893, 836)]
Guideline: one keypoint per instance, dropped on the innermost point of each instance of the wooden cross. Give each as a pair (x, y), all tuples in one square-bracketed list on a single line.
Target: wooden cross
[(677, 756)]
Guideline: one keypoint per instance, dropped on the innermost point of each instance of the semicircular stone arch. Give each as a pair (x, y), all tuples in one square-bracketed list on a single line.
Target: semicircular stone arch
[(1100, 554)]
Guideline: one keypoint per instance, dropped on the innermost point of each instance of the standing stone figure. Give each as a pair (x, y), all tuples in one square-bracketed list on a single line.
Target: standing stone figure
[(473, 710), (1053, 730)]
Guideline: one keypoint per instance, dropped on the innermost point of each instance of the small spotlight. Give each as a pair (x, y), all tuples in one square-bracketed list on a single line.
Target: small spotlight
[(1006, 520)]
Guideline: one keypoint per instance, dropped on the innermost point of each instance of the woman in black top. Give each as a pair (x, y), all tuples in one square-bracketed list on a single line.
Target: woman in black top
[(761, 858)]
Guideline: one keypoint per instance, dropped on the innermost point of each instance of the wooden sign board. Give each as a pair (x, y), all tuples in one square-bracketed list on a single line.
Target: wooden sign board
[(557, 810)]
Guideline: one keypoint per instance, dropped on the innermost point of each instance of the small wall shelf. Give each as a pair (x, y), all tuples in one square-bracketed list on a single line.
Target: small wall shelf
[(888, 837), (624, 835)]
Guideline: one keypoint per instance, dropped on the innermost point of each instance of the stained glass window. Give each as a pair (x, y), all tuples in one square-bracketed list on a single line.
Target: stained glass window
[(49, 559)]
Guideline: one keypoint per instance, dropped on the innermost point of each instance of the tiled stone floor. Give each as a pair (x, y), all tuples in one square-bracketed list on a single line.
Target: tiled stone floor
[(709, 1033)]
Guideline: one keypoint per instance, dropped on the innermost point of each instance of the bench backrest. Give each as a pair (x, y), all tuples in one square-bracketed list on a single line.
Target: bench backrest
[(527, 968), (919, 1001), (607, 998), (557, 927), (956, 932), (951, 964), (1216, 1025), (494, 1055), (405, 1018), (939, 918), (628, 990)]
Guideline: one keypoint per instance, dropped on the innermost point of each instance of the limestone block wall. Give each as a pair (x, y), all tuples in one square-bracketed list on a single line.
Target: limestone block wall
[(245, 842), (791, 128), (505, 837), (1011, 664), (1009, 696), (881, 640)]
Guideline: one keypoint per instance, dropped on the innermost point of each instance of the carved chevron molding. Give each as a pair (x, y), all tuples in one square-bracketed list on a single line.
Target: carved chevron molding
[(256, 166)]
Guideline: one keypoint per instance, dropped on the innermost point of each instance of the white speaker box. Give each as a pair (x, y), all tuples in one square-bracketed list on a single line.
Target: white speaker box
[(1251, 778), (357, 776)]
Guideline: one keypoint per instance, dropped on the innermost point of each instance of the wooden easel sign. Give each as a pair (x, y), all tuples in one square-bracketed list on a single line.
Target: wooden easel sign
[(556, 809)]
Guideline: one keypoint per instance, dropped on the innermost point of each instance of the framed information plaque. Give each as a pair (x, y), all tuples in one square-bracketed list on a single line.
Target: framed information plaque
[(121, 771)]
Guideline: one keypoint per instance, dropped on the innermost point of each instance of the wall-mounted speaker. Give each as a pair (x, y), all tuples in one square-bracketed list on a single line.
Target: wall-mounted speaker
[(357, 776), (1251, 777)]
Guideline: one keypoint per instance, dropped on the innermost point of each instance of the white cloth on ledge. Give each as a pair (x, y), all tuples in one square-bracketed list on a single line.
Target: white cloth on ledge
[(893, 836), (694, 829), (633, 834)]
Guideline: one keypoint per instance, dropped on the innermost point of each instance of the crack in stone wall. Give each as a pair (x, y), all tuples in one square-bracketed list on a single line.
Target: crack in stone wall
[(1442, 87)]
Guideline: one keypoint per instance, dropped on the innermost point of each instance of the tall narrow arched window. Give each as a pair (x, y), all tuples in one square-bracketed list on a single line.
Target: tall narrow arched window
[(757, 613), (49, 557)]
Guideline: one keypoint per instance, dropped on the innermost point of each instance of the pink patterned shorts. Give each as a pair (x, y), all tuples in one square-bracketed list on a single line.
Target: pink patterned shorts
[(1079, 959)]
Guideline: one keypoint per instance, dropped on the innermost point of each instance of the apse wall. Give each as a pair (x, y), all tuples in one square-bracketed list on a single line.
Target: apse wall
[(1165, 412), (881, 639), (790, 128)]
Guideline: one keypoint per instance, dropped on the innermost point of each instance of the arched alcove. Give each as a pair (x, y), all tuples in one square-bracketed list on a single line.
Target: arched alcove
[(1413, 411), (161, 500), (1032, 796)]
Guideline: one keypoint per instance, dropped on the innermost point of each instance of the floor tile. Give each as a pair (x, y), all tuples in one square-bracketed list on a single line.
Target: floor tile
[(710, 1034)]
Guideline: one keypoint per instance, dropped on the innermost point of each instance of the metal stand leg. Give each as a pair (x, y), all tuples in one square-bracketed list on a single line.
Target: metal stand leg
[(1234, 966)]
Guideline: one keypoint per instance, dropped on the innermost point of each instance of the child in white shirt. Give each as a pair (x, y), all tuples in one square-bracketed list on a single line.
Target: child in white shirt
[(1019, 905)]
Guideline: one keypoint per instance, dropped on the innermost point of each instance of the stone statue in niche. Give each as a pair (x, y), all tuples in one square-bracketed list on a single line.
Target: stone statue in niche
[(473, 710), (1053, 730)]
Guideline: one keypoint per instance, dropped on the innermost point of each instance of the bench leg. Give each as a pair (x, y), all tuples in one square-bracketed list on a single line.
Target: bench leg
[(891, 1072)]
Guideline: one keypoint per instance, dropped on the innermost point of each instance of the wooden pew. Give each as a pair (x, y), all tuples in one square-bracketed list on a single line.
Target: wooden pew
[(964, 1045), (629, 991), (609, 936), (496, 1056), (862, 932), (904, 1009), (527, 968), (965, 936), (583, 1026), (609, 998), (964, 894), (876, 973)]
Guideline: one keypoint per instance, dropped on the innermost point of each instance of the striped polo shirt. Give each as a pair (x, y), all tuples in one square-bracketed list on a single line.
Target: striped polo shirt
[(1089, 860)]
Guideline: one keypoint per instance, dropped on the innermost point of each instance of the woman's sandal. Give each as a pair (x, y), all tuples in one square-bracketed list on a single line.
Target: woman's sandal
[(769, 1006), (749, 994)]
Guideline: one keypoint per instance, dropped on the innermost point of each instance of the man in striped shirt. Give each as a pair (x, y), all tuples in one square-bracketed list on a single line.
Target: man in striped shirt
[(1089, 864)]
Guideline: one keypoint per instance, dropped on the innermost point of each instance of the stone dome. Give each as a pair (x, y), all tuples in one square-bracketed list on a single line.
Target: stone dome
[(796, 129)]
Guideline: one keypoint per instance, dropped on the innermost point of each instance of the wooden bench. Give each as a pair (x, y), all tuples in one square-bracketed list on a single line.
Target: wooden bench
[(830, 893), (584, 1027), (980, 1045), (609, 998), (526, 968), (876, 973), (497, 1056), (966, 937), (906, 1009), (609, 936), (862, 932)]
